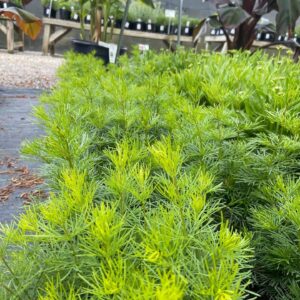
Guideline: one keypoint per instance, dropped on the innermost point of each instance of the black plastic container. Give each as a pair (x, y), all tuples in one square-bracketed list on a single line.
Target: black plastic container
[(138, 25), (150, 27), (86, 47), (87, 19), (118, 23), (76, 18), (161, 28), (47, 12), (64, 14)]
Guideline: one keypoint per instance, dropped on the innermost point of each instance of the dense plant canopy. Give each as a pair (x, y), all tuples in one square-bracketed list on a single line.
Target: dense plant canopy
[(173, 176)]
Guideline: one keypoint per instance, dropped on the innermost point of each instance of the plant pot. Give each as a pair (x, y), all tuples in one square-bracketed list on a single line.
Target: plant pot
[(87, 19), (76, 18), (138, 26), (86, 47), (174, 29), (150, 27), (64, 14), (187, 31), (118, 23), (47, 12), (127, 25), (160, 28)]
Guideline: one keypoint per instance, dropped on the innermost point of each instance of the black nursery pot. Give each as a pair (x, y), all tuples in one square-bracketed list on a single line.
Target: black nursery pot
[(76, 18), (163, 29), (118, 23), (150, 27), (64, 14), (87, 19), (138, 26), (86, 47), (187, 31), (47, 11)]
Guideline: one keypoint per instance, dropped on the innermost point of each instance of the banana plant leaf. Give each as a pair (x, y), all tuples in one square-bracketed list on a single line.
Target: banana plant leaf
[(232, 16), (148, 2), (29, 23), (288, 13)]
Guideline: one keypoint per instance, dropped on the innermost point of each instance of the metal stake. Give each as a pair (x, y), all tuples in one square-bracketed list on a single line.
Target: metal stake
[(122, 28), (179, 22)]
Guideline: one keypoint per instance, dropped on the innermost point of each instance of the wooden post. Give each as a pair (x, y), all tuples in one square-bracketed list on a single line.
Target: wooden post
[(10, 36), (46, 38)]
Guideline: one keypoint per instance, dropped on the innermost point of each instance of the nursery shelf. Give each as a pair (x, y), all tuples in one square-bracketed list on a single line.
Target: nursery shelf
[(52, 35)]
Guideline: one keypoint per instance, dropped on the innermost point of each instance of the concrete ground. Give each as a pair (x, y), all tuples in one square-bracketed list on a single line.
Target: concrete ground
[(17, 177)]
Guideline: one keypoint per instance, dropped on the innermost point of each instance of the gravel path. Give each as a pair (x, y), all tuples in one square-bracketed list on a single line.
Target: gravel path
[(28, 70), (23, 77)]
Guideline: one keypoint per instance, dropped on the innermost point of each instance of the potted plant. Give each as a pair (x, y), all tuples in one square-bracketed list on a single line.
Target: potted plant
[(98, 36), (135, 17), (98, 9), (64, 9), (49, 8), (161, 23)]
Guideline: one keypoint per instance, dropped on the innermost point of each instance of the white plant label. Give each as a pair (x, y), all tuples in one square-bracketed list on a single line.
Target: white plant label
[(138, 26), (75, 17), (88, 17)]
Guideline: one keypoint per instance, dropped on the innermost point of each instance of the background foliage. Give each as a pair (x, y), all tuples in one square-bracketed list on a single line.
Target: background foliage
[(174, 176)]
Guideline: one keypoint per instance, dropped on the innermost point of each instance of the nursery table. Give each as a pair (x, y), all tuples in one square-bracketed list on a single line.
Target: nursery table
[(52, 35), (7, 27)]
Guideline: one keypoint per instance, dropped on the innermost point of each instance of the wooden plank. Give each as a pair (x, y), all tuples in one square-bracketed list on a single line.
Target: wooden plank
[(65, 23), (116, 31), (59, 34)]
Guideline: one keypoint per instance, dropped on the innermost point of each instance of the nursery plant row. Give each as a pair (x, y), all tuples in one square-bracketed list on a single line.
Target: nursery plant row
[(171, 176)]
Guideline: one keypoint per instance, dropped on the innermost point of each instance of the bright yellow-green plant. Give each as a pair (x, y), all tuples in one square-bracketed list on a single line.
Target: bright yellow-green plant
[(172, 176)]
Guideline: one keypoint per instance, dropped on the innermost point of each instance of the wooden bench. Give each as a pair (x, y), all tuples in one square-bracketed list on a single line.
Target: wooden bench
[(56, 29), (9, 29)]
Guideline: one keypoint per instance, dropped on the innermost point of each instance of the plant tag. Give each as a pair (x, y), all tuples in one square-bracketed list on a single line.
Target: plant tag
[(127, 25), (76, 17), (170, 13), (139, 26), (48, 11), (149, 27), (268, 36), (161, 28), (186, 30), (4, 5), (88, 17), (143, 47)]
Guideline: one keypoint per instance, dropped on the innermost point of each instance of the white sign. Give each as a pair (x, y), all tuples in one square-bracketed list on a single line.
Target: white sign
[(112, 48), (170, 13)]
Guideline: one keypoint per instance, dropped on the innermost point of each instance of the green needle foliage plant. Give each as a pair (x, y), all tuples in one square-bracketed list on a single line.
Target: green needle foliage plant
[(172, 176)]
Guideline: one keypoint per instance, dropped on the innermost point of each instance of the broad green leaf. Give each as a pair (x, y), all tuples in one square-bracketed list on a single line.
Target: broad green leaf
[(233, 16), (262, 7), (288, 13), (148, 2), (29, 23)]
